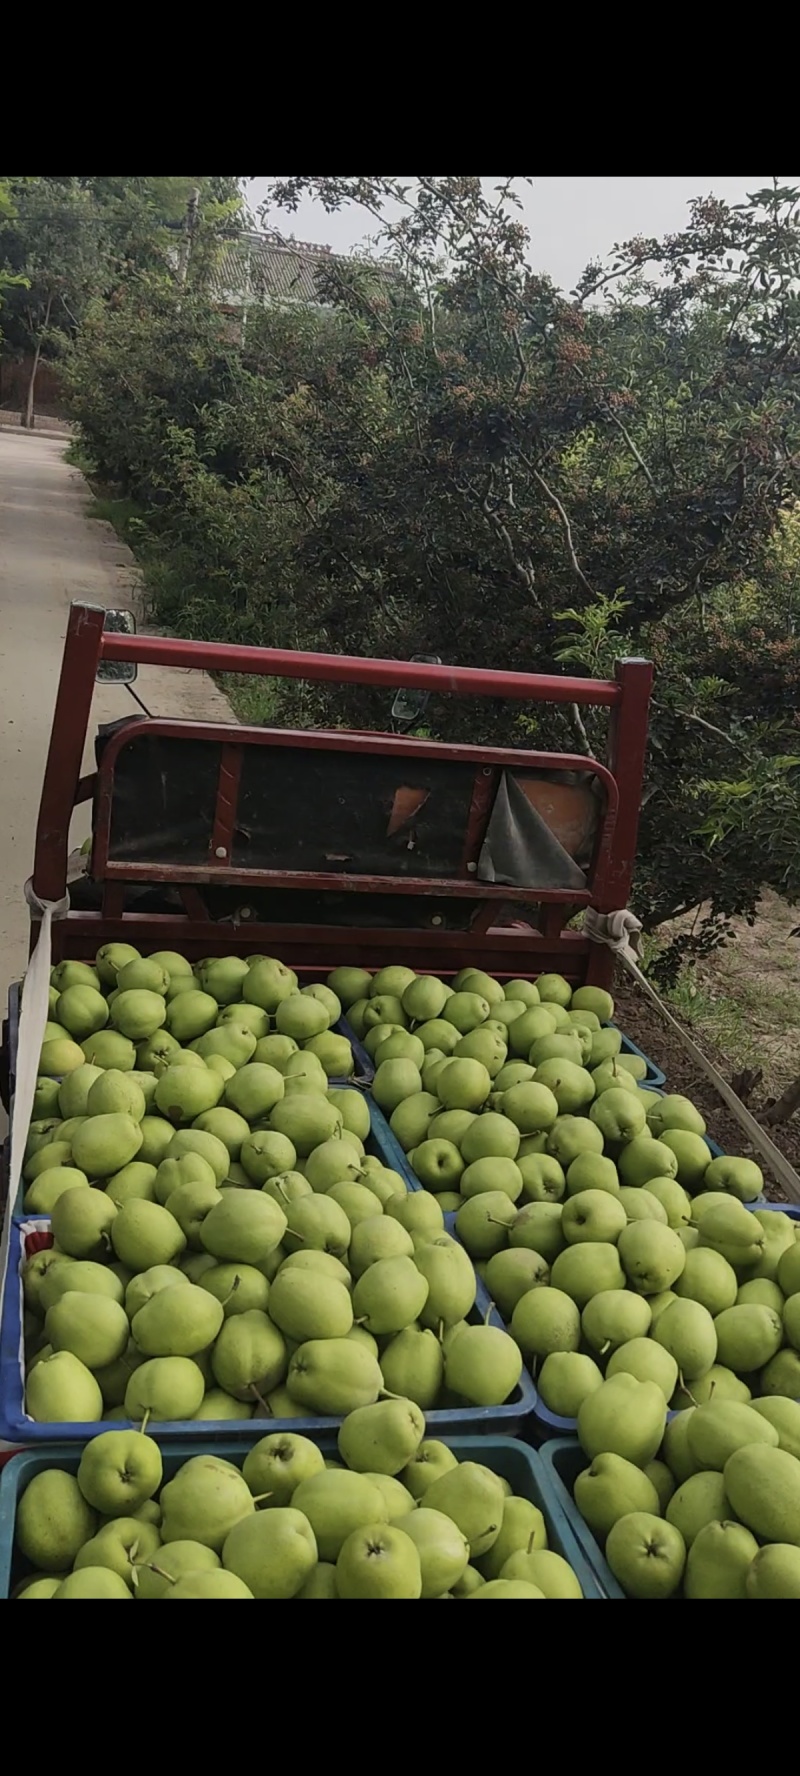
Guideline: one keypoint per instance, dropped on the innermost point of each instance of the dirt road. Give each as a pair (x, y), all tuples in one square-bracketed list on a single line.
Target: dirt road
[(50, 553)]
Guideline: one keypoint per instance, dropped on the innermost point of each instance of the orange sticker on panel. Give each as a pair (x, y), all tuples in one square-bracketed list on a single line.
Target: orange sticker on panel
[(407, 803)]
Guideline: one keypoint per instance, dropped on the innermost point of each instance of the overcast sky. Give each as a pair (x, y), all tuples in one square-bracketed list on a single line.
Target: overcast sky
[(571, 220)]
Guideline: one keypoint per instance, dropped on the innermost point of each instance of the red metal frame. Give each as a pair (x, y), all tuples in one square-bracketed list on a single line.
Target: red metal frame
[(502, 950)]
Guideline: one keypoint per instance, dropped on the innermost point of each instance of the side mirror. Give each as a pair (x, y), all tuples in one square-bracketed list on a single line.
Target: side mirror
[(118, 622), (409, 706)]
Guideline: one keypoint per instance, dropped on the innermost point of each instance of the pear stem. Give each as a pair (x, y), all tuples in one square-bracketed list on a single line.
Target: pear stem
[(259, 1497), (231, 1292), (488, 1314), (151, 1565), (261, 1401), (687, 1390), (605, 1347), (531, 1540), (145, 1422)]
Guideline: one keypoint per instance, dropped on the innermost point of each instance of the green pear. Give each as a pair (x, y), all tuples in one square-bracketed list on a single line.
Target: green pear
[(265, 1154), (611, 1075), (139, 1014), (591, 1171), (424, 998), (305, 1120), (774, 1573), (144, 975), (511, 1589), (709, 1279), (53, 1520), (317, 1221), (103, 1144), (413, 1366), (305, 1306), (644, 1158), (596, 1000), (592, 1215), (111, 958), (789, 1270), (70, 1274), (47, 1094), (276, 1465), (379, 1561), (537, 1227), (409, 1122), (191, 1015), (321, 1262), (234, 1043), (676, 1451), (144, 1234), (134, 1180), (228, 1127), (333, 1376), (165, 1388), (203, 1502), (483, 1223), (185, 1092), (472, 1496), (648, 1361), (177, 1324), (450, 1276), (646, 1555), (522, 989), (249, 1356), (747, 1337), (438, 1165), (389, 1295), (119, 1546), (728, 1228), (572, 1136), (61, 1055), (381, 1438), (80, 1223), (189, 1204), (394, 1082), (491, 1174), (785, 1416), (349, 984), (51, 1155), (353, 1108), (93, 1581), (246, 1225), (246, 1017), (722, 1426), (74, 974), (333, 1162), (156, 1054), (718, 1383), (337, 1503), (442, 1547), (686, 1329), (377, 1034), (675, 1112), (546, 1571), (436, 1034), (419, 1213), (522, 1528), (401, 1045), (359, 1203), (197, 1585), (663, 1481), (73, 1092), (42, 1195), (741, 1177), (763, 1485), (719, 1561), (611, 1488), (692, 1154), (432, 1459), (33, 1273), (512, 1274), (273, 1552), (652, 1256), (113, 1378), (612, 1320), (81, 1011), (175, 1560), (37, 1588), (565, 1380), (237, 1287), (378, 1237), (216, 1404), (623, 1417), (188, 1168), (587, 1269), (531, 1106), (700, 1500), (545, 1320), (92, 1327), (61, 1390), (301, 1017), (483, 1365), (676, 1204), (530, 1027), (223, 978)]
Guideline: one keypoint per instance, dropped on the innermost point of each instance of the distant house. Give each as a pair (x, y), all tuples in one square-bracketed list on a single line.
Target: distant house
[(255, 270)]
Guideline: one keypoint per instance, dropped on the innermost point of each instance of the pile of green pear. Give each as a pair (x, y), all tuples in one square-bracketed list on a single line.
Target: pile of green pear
[(222, 1243), (705, 1504), (609, 1238), (397, 1516)]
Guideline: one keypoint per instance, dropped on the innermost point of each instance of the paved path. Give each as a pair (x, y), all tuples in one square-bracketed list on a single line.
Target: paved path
[(50, 553)]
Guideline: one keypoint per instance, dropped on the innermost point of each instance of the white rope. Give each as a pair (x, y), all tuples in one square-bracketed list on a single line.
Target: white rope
[(619, 932), (33, 1017)]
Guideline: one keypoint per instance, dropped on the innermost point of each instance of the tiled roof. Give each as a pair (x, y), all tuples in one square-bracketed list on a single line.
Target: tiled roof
[(258, 267)]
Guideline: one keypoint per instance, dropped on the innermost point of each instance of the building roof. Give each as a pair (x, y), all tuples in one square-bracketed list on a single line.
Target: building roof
[(257, 268)]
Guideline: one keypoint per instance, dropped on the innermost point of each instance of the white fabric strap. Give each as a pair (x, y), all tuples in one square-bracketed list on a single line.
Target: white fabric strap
[(33, 1017), (619, 931)]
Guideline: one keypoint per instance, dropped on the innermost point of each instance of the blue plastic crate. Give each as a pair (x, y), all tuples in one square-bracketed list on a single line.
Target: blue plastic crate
[(563, 1461), (17, 1428), (514, 1462)]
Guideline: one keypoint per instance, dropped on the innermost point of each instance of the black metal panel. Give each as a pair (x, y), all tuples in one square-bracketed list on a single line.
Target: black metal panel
[(311, 810), (164, 797)]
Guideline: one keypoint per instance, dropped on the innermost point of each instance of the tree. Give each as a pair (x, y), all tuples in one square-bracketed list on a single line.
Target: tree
[(453, 457), (53, 244)]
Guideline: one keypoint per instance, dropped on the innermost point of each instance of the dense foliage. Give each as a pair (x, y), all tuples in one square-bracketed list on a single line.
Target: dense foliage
[(449, 456)]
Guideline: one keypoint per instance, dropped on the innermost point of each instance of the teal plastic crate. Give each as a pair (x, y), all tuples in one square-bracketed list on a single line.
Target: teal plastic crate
[(515, 1462), (563, 1460)]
